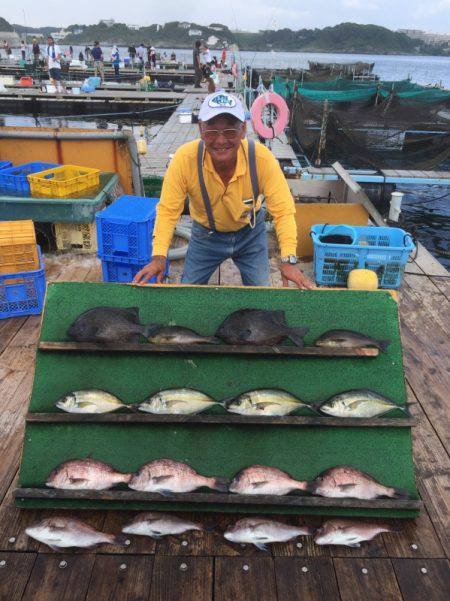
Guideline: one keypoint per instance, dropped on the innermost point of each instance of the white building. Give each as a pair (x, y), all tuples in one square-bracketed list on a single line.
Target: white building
[(195, 32), (60, 35), (217, 27), (184, 25), (134, 27), (108, 22), (212, 40)]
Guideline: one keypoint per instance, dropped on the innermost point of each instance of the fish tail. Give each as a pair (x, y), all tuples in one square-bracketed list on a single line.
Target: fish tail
[(125, 478), (121, 540), (148, 329), (219, 483), (134, 407), (399, 493), (383, 345), (297, 334), (212, 340), (395, 526), (308, 486), (405, 408), (301, 484)]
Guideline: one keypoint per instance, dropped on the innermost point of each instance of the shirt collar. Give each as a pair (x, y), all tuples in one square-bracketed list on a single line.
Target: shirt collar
[(241, 164)]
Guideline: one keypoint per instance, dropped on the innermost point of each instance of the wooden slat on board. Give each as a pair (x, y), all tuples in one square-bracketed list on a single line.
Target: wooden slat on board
[(121, 578), (366, 580), (59, 576), (210, 349), (15, 569), (306, 579), (227, 498), (417, 538), (421, 580), (183, 579), (249, 578), (288, 420)]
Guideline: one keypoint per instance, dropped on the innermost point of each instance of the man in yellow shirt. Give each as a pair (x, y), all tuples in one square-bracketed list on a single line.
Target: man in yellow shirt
[(226, 178)]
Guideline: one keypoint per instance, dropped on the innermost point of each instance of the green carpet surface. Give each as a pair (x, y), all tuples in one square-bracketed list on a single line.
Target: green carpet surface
[(216, 449)]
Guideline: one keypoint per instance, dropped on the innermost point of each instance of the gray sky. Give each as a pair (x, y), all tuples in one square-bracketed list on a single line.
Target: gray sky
[(249, 15)]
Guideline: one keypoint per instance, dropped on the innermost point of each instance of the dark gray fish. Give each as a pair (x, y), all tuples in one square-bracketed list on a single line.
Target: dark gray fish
[(350, 339), (107, 324), (158, 334), (257, 326), (345, 481)]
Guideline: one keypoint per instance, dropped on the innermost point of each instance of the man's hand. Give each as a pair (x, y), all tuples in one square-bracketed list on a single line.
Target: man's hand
[(157, 266), (291, 273)]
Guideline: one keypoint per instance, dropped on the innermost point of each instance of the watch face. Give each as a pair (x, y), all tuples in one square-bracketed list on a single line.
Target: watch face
[(292, 260)]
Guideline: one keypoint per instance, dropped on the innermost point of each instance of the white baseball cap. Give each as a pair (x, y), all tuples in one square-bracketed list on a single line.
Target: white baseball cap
[(221, 103)]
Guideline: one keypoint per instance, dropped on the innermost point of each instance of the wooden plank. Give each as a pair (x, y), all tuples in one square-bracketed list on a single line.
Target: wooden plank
[(228, 498), (306, 579), (421, 292), (210, 349), (182, 579), (114, 522), (423, 579), (433, 466), (366, 580), (428, 263), (252, 579), (116, 577), (15, 569), (417, 538), (59, 576), (8, 329), (287, 420)]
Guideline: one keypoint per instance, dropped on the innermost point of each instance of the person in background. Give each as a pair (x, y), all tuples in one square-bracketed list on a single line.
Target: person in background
[(152, 57), (36, 51), (7, 49), (173, 56), (141, 54), (223, 60), (97, 55), (197, 64), (23, 50), (115, 59), (53, 57), (71, 52), (132, 54), (87, 53), (81, 57)]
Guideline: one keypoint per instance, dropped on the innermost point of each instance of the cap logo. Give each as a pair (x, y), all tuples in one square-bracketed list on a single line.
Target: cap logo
[(222, 101)]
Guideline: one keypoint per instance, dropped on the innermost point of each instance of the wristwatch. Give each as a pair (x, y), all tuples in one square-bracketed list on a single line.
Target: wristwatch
[(291, 259)]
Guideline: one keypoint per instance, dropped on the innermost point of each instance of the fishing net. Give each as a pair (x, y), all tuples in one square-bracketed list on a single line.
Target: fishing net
[(377, 124)]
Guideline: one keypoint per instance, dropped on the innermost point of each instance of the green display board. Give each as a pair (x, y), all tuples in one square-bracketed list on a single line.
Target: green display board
[(220, 449)]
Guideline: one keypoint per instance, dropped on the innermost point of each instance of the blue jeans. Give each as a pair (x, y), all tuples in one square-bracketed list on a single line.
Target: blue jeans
[(247, 247)]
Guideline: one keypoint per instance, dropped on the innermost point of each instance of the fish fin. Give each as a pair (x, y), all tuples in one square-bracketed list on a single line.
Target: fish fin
[(345, 487), (158, 479), (165, 492), (156, 535), (121, 540), (297, 334), (173, 403), (85, 404), (259, 484), (264, 404), (220, 484), (149, 329), (54, 547), (261, 546), (400, 493), (383, 345), (244, 334), (77, 480), (211, 340), (353, 545)]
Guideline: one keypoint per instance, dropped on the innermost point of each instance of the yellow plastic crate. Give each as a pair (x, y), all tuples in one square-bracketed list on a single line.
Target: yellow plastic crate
[(62, 182), (76, 237), (18, 250)]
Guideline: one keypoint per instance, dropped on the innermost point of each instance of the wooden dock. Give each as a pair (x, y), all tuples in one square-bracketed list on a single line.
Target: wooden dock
[(411, 565)]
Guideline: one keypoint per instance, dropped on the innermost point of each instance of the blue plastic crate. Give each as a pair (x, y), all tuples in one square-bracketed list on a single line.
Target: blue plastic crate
[(13, 180), (5, 164), (22, 293), (125, 229), (384, 250), (117, 271)]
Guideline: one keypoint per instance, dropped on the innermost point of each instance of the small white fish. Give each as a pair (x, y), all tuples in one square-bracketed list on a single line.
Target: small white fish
[(157, 524), (264, 402), (177, 401), (350, 533), (89, 401), (359, 403), (261, 531), (60, 532)]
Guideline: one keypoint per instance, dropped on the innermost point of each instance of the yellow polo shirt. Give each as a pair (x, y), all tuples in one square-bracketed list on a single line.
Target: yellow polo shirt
[(229, 210)]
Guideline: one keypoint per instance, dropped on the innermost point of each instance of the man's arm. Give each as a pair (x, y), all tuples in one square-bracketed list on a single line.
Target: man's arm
[(168, 211), (282, 208)]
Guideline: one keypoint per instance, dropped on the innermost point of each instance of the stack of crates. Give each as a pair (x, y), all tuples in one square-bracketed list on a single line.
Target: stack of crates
[(22, 277), (14, 180), (124, 237)]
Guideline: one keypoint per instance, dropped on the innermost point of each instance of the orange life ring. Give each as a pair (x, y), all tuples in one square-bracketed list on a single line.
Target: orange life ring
[(282, 115)]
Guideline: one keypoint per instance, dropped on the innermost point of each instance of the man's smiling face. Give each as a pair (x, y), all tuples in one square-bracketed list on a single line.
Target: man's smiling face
[(222, 136)]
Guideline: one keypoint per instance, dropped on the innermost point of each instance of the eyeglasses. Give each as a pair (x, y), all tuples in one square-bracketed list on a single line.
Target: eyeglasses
[(229, 134)]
